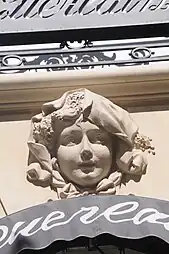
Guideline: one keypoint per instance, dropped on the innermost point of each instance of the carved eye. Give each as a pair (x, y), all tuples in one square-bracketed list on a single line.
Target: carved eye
[(71, 138), (98, 138), (70, 141)]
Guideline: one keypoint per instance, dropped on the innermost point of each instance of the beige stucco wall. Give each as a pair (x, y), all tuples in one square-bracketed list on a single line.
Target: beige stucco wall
[(17, 193), (2, 212), (155, 183)]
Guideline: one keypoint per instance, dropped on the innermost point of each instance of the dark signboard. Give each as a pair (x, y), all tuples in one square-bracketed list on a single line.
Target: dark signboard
[(45, 15), (27, 16), (125, 217)]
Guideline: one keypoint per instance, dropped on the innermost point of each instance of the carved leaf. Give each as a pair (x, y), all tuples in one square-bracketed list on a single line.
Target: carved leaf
[(42, 155)]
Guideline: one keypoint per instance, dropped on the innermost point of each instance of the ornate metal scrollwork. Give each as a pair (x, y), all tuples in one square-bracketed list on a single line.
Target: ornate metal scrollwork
[(141, 53), (8, 60), (76, 44)]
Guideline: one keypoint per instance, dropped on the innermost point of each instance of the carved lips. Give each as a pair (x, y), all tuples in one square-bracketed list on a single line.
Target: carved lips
[(87, 166)]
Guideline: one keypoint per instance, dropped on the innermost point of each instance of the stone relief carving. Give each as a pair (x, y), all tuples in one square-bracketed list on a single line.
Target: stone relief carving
[(83, 144)]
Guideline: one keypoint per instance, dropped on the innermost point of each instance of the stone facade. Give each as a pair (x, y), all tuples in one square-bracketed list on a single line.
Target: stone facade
[(149, 111)]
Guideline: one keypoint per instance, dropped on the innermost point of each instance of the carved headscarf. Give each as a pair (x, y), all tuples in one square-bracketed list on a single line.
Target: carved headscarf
[(100, 111)]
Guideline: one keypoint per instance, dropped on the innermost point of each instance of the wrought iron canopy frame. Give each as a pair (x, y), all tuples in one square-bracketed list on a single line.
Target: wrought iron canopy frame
[(85, 55)]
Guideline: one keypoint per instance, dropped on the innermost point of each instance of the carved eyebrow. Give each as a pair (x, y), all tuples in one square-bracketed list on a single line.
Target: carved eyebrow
[(71, 132), (97, 131)]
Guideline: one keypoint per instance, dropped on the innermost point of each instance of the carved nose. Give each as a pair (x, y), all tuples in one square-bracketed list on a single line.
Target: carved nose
[(86, 155)]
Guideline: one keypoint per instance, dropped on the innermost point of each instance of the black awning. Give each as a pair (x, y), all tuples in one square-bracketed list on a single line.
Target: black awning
[(104, 218)]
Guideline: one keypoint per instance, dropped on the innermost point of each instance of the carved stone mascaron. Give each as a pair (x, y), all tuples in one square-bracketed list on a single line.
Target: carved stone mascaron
[(83, 144)]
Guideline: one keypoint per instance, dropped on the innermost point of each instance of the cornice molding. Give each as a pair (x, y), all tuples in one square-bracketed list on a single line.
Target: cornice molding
[(137, 86)]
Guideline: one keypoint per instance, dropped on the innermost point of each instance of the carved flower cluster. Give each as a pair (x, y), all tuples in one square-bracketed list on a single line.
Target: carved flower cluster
[(143, 143), (43, 131), (75, 101), (72, 108)]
